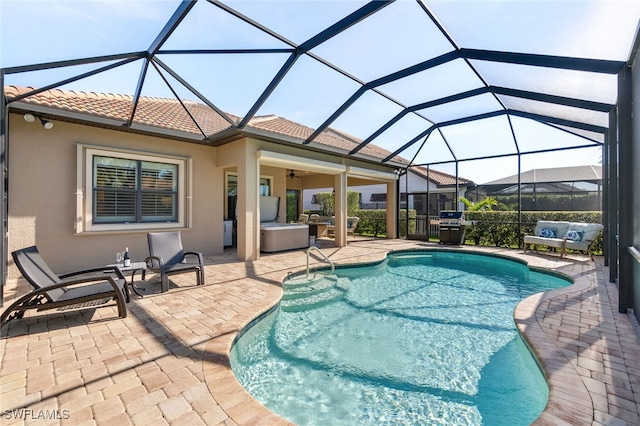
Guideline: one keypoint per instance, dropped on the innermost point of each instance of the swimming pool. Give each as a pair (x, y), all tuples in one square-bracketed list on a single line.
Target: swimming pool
[(425, 337)]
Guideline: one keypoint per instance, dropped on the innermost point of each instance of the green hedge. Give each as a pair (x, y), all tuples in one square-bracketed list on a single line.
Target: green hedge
[(374, 222), (494, 228), (500, 229), (552, 202)]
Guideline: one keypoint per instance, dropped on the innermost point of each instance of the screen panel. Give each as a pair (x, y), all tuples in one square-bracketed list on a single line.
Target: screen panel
[(444, 80), (542, 27), (389, 40), (481, 138)]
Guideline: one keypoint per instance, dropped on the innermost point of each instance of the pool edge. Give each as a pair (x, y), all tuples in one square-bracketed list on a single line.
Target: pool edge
[(554, 365)]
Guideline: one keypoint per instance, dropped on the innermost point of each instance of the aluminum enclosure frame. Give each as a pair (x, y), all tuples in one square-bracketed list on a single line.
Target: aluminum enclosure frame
[(620, 150)]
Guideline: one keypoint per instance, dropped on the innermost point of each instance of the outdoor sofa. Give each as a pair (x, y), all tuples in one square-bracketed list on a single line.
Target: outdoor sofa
[(564, 235)]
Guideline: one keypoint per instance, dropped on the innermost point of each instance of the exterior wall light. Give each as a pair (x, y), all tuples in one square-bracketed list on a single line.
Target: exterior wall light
[(31, 118), (46, 124)]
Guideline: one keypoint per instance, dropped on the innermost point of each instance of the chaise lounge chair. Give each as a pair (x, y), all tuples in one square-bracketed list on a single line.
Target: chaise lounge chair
[(53, 291), (167, 257)]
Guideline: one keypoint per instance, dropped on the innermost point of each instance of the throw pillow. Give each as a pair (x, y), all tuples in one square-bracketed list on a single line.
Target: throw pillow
[(548, 233), (574, 235)]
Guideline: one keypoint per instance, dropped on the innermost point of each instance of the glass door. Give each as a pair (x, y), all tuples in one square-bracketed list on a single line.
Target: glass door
[(293, 198)]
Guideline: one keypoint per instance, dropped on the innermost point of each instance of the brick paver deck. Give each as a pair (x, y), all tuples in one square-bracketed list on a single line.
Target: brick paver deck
[(167, 362)]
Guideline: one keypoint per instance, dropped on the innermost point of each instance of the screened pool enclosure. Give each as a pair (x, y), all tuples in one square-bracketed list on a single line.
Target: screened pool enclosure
[(479, 89)]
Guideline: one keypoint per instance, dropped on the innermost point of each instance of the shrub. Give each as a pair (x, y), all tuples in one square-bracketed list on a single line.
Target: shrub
[(500, 229), (327, 202), (374, 222)]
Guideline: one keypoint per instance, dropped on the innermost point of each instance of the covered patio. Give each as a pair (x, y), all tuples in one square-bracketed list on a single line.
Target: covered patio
[(167, 362)]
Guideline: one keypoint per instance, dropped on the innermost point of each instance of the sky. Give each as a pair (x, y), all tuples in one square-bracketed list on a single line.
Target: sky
[(397, 36)]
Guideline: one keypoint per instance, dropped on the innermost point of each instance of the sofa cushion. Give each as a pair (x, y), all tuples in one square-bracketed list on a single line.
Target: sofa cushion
[(576, 245), (559, 226), (549, 242), (548, 233), (574, 235), (589, 230)]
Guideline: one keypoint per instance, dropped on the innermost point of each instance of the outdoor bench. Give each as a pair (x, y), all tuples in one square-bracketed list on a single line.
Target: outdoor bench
[(564, 235)]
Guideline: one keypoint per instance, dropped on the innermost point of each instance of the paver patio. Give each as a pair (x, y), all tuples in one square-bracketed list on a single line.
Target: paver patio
[(167, 362)]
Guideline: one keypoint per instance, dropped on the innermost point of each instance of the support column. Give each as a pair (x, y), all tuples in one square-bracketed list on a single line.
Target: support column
[(625, 173), (611, 187), (4, 211), (340, 210), (392, 209), (248, 236)]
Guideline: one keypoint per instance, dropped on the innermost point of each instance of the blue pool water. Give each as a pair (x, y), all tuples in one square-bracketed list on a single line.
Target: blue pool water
[(424, 338)]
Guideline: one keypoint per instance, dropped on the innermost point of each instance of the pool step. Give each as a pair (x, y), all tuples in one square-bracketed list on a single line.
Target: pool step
[(315, 286), (304, 281), (315, 300), (303, 293)]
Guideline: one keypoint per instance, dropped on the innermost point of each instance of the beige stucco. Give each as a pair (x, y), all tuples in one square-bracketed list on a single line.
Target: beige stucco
[(242, 157), (43, 198), (42, 194), (392, 205)]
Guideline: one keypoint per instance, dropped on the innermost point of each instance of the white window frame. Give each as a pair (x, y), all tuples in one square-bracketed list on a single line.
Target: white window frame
[(84, 192), (265, 177)]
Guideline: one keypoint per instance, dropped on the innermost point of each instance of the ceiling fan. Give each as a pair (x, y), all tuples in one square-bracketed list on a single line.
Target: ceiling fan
[(292, 174)]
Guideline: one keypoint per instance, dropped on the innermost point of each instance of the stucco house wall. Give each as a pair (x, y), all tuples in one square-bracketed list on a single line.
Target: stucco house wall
[(47, 205), (42, 193)]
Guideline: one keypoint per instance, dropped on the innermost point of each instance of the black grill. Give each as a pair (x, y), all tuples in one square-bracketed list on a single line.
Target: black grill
[(452, 227)]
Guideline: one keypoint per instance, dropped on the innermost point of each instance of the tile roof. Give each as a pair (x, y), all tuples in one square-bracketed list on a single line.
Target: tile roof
[(330, 137), (441, 178), (170, 115), (157, 112)]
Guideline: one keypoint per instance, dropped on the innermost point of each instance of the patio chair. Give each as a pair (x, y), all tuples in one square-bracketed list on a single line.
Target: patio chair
[(352, 224), (82, 289), (167, 257)]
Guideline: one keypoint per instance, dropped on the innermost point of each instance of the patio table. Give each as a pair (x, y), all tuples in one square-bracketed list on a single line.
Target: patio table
[(318, 229), (131, 269)]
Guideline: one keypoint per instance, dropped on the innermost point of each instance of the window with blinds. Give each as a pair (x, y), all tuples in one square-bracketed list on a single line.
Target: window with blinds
[(378, 198), (134, 191)]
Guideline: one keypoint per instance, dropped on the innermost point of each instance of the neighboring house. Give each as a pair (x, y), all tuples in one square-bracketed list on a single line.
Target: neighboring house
[(589, 174), (106, 174), (430, 191), (573, 188)]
